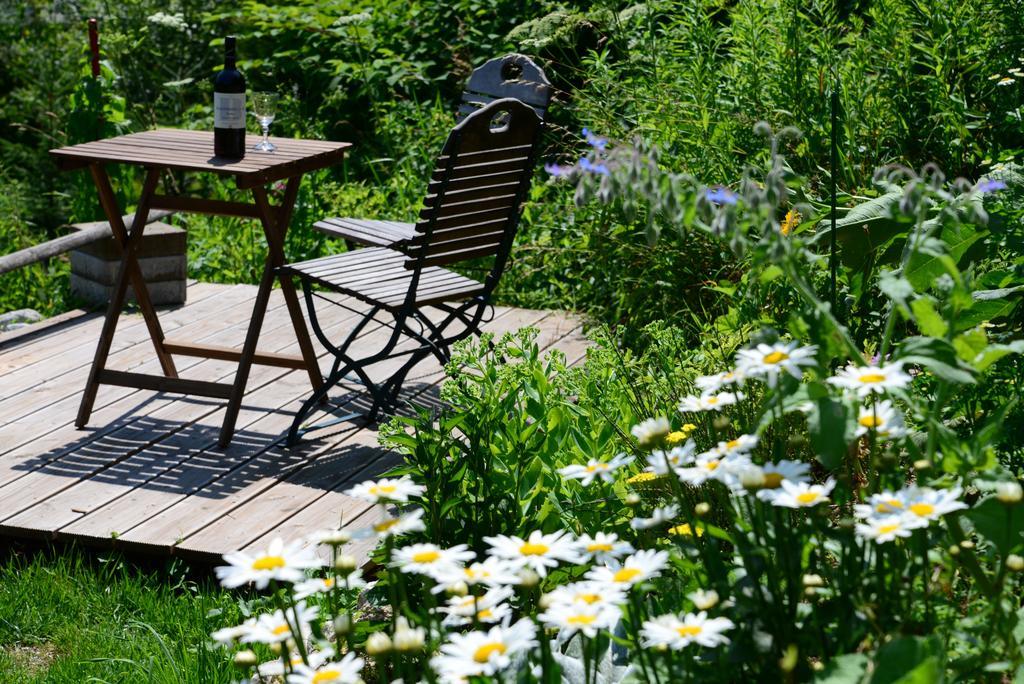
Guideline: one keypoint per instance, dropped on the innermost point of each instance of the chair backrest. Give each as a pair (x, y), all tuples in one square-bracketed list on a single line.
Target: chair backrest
[(476, 193), (513, 75)]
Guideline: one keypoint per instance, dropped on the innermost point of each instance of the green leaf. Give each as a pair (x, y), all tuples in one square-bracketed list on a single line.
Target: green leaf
[(999, 523), (845, 669), (895, 287), (994, 352), (970, 344), (928, 319), (908, 660), (827, 427), (936, 355)]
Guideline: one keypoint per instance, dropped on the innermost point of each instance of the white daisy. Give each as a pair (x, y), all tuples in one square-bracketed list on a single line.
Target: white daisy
[(279, 562), (802, 494), (491, 572), (604, 546), (489, 608), (709, 402), (743, 444), (659, 516), (333, 537), (589, 593), (595, 469), (386, 490), (704, 600), (925, 505), (483, 654), (640, 567), (230, 635), (588, 619), (794, 472), (883, 419), (709, 384), (882, 503), (344, 671), (425, 559), (392, 527), (668, 631), (275, 668), (769, 361), (865, 380), (276, 627), (710, 466), (884, 528), (321, 585), (664, 462), (539, 552), (651, 431)]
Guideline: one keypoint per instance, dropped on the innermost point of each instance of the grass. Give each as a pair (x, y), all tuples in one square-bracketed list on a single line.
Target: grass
[(70, 615)]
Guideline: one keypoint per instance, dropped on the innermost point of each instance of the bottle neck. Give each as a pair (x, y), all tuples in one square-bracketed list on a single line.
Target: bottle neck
[(229, 52)]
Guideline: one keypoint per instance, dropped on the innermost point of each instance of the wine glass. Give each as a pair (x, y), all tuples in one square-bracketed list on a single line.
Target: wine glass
[(264, 107)]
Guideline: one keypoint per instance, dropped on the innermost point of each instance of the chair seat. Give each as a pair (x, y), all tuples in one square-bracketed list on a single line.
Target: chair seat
[(367, 231), (378, 275)]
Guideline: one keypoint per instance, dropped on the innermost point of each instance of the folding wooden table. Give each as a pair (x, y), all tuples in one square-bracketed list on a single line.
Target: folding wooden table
[(156, 151)]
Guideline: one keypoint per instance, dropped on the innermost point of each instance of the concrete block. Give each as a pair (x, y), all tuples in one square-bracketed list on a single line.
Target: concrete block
[(159, 239), (154, 269), (163, 293)]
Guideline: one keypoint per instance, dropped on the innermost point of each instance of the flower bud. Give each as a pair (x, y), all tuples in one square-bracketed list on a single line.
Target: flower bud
[(967, 544), (752, 479), (545, 602), (345, 562), (378, 644), (334, 537), (817, 665), (528, 578), (633, 499), (275, 648), (704, 600), (246, 658), (1015, 563), (459, 588), (408, 638), (721, 422), (811, 580), (343, 624), (922, 464), (702, 509), (954, 550), (1009, 492)]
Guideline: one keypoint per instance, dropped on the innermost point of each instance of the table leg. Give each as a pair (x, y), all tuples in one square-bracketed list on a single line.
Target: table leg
[(275, 227), (128, 271)]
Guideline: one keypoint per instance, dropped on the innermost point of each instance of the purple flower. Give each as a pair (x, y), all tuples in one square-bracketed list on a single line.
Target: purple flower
[(720, 195), (588, 165), (594, 141), (988, 185), (557, 170)]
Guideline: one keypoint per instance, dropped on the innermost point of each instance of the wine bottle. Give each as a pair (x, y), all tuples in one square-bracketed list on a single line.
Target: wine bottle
[(229, 107)]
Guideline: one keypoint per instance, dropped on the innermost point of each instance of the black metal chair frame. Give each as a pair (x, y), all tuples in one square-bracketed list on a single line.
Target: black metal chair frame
[(409, 318)]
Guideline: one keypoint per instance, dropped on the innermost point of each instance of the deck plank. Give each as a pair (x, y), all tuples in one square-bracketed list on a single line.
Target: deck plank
[(147, 474)]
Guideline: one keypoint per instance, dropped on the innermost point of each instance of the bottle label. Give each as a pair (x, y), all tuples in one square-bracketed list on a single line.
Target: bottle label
[(229, 110)]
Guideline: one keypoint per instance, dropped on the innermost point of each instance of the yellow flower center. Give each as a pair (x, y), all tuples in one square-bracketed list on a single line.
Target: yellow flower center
[(280, 629), (772, 480), (806, 498), (676, 437), (385, 525), (382, 490), (732, 443), (484, 614), (588, 598), (689, 630), (484, 653), (776, 357), (886, 529), (594, 467), (626, 575), (329, 582), (641, 477), (684, 530), (711, 465), (712, 401), (268, 563), (326, 676), (922, 509), (594, 548), (425, 557), (580, 619), (871, 378), (530, 549), (870, 421)]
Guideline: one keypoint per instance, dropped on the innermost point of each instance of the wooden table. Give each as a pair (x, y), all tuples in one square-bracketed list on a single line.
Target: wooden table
[(156, 151)]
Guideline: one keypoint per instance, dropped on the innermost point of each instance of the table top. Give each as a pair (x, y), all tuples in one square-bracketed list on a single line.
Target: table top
[(193, 151)]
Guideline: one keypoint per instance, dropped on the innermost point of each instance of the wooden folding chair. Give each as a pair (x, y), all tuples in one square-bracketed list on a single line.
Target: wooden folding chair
[(513, 75), (471, 212)]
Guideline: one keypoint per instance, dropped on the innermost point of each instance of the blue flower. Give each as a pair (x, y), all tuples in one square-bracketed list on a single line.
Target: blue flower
[(720, 195), (990, 186), (588, 165), (594, 141), (557, 170)]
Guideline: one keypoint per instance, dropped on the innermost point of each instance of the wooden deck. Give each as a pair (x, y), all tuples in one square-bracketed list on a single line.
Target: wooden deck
[(146, 475)]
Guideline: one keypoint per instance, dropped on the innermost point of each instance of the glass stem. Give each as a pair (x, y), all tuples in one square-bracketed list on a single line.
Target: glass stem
[(266, 135)]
